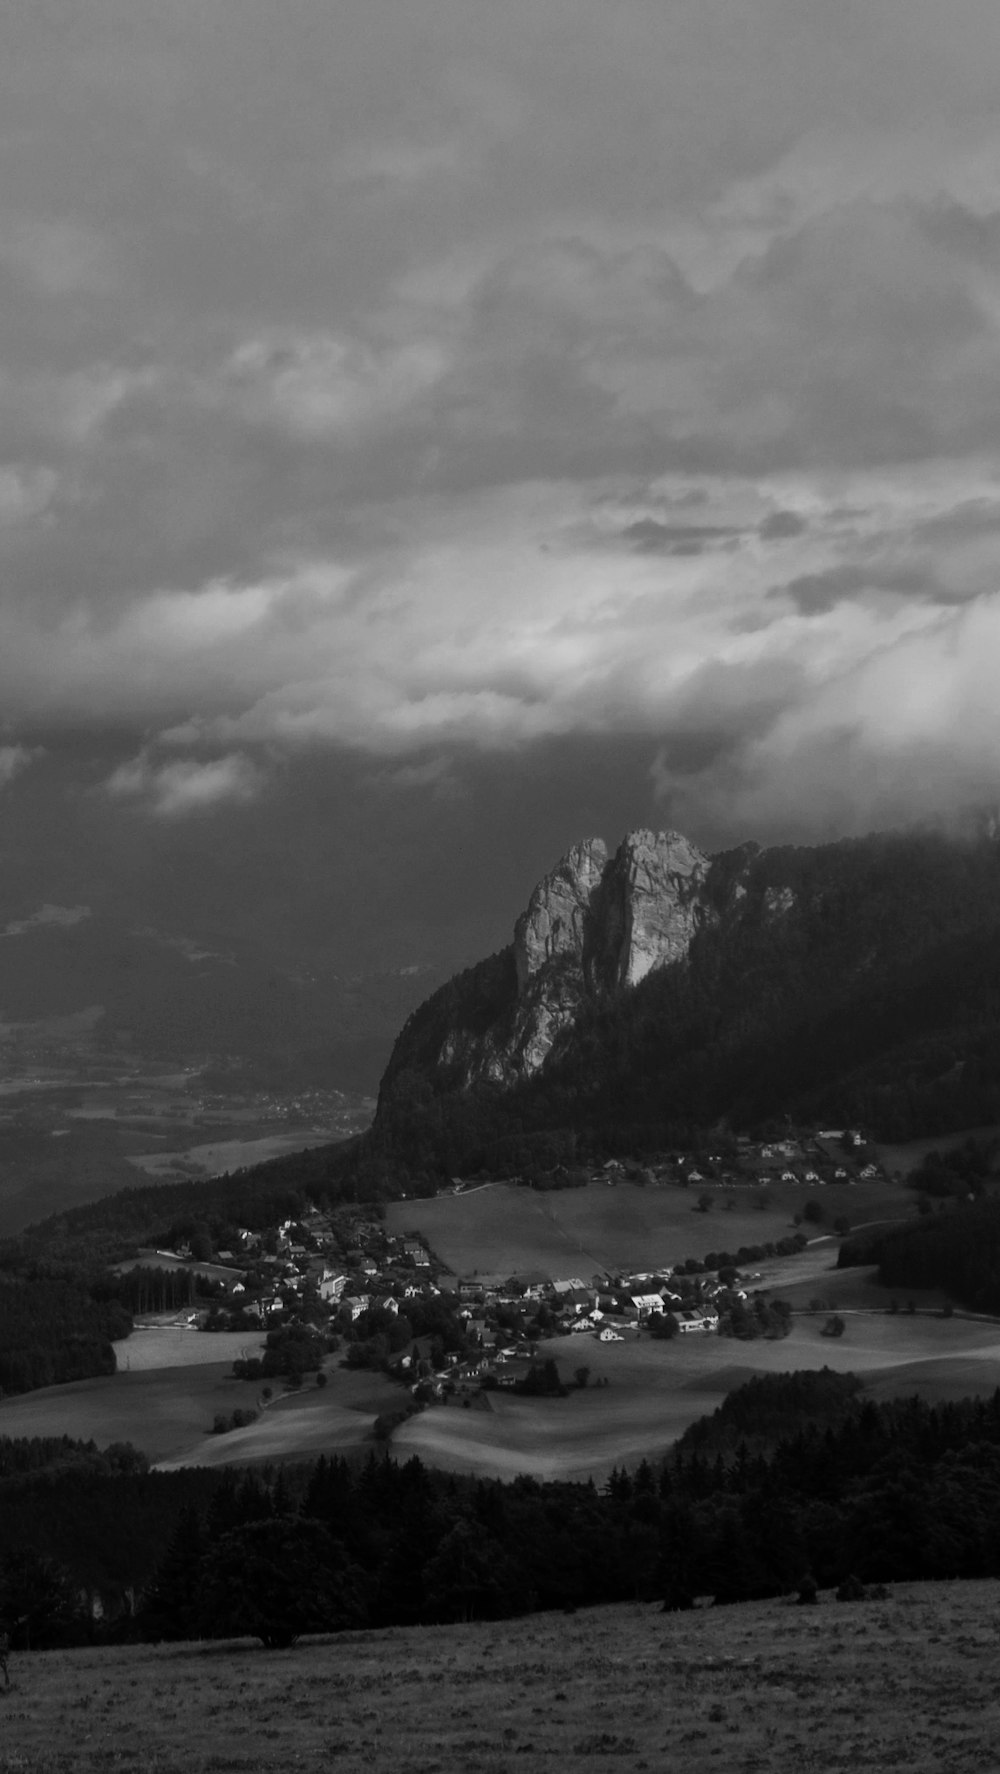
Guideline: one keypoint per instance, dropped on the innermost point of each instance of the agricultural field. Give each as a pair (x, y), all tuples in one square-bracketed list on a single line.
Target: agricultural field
[(168, 1413), (154, 1346), (905, 1682), (215, 1157), (655, 1390), (505, 1230)]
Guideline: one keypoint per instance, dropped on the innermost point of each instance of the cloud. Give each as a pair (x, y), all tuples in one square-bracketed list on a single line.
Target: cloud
[(369, 390), (438, 775), (187, 946), (320, 386), (62, 916), (175, 789), (648, 536), (14, 759), (910, 731)]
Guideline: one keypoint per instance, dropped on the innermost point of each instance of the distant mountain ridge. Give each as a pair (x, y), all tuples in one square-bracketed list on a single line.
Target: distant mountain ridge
[(659, 985)]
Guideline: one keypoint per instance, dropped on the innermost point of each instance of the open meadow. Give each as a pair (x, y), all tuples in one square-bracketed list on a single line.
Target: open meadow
[(506, 1230), (908, 1682), (168, 1413)]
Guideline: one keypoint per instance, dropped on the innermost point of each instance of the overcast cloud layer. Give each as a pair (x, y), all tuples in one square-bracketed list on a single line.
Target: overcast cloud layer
[(417, 384)]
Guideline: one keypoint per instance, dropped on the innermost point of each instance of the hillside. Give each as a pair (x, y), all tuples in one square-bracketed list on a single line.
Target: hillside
[(857, 981), (909, 1681)]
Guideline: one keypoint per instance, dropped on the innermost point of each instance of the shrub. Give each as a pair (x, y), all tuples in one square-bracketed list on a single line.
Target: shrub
[(852, 1590)]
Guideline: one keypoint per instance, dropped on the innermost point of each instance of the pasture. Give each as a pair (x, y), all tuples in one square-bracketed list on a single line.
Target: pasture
[(154, 1346), (656, 1389), (168, 1413), (502, 1229), (905, 1682)]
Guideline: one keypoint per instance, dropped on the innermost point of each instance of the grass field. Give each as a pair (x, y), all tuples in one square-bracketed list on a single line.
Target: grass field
[(168, 1413), (166, 1346), (909, 1682), (655, 1390), (505, 1230)]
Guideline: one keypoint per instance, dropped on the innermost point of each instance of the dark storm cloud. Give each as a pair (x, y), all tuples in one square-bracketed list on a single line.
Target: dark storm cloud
[(331, 339), (647, 536)]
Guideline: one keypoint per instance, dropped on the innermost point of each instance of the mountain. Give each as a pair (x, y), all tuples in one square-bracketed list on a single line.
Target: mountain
[(596, 924), (659, 988)]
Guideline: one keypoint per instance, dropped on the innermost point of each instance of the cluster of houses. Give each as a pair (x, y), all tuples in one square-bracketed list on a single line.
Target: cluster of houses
[(343, 1269), (346, 1267), (828, 1155), (505, 1319), (604, 1307), (346, 1263)]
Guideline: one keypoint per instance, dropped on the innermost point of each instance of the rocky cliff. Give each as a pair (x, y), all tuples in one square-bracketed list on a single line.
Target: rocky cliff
[(655, 992), (595, 924)]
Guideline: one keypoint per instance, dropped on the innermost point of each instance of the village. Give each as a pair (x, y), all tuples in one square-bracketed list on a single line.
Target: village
[(338, 1283)]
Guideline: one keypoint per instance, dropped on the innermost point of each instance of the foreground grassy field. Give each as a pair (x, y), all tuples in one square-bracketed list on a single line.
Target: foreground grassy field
[(505, 1230), (909, 1682)]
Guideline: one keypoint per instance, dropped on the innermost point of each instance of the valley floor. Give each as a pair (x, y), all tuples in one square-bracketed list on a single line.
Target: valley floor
[(905, 1683), (641, 1394)]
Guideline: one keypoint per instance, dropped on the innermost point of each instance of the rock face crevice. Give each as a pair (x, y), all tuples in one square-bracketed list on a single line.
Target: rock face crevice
[(595, 925)]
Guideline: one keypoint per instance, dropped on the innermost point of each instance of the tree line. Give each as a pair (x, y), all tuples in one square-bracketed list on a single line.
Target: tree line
[(956, 1250)]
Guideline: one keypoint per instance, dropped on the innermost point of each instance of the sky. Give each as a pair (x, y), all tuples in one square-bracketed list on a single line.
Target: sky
[(433, 433)]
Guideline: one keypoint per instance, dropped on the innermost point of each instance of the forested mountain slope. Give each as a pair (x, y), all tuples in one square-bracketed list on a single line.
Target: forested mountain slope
[(855, 981)]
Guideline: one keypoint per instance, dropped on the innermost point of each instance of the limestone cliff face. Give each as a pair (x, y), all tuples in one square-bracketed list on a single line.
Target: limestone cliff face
[(594, 925), (558, 924), (654, 903)]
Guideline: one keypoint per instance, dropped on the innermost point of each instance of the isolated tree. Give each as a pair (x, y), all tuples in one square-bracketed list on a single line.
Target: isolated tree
[(279, 1578), (38, 1594), (470, 1577)]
